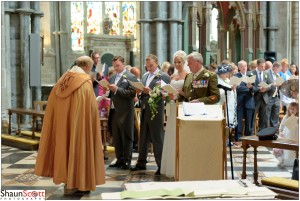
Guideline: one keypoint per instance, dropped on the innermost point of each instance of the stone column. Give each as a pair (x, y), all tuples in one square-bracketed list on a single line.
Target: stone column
[(260, 30), (249, 43), (5, 62), (295, 32), (173, 29), (64, 39), (271, 26), (35, 28), (56, 39), (192, 26), (24, 16), (160, 39), (264, 12), (179, 27), (145, 33), (206, 48)]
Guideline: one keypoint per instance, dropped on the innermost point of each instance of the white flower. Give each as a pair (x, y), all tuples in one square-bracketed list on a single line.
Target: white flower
[(206, 74), (150, 100), (157, 90), (154, 95)]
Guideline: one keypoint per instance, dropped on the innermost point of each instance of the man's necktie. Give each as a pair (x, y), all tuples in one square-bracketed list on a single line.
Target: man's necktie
[(259, 77)]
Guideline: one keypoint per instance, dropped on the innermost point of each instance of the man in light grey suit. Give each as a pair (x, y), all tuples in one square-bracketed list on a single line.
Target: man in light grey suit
[(151, 130), (261, 97), (121, 115), (273, 107)]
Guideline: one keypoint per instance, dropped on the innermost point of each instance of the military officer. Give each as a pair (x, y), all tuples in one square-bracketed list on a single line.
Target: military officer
[(200, 85)]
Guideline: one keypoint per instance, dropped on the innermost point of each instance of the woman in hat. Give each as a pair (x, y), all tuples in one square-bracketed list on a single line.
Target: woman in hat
[(223, 73)]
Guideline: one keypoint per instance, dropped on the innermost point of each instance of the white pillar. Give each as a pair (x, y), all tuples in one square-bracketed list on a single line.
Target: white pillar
[(173, 29)]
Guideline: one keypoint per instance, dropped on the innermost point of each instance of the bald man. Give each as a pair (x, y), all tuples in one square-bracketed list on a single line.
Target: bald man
[(268, 65), (136, 71), (70, 150)]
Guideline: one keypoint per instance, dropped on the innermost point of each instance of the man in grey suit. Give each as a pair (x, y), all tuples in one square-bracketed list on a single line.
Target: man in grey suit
[(273, 107), (121, 115), (261, 97), (151, 130)]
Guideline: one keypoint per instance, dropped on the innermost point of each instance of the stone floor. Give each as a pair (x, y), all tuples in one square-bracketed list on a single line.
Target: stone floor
[(17, 173)]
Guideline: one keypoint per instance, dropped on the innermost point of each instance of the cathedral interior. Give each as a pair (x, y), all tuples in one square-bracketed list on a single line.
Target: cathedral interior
[(42, 39)]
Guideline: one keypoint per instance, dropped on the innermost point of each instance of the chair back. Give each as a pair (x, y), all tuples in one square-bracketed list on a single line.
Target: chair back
[(40, 105)]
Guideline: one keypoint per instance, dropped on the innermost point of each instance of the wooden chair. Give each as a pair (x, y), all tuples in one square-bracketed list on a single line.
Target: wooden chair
[(39, 105)]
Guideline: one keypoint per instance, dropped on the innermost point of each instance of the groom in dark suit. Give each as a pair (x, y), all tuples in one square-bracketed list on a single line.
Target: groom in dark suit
[(121, 115), (151, 130)]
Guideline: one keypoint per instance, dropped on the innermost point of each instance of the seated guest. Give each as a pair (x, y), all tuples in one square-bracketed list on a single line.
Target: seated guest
[(201, 84)]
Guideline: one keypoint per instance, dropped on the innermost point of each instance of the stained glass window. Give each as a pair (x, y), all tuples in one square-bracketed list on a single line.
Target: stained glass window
[(94, 17), (129, 18), (77, 25), (121, 14), (112, 10)]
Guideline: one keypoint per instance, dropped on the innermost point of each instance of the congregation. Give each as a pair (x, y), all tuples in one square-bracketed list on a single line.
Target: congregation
[(247, 101)]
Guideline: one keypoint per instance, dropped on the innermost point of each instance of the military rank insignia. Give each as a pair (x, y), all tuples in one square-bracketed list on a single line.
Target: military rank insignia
[(200, 84)]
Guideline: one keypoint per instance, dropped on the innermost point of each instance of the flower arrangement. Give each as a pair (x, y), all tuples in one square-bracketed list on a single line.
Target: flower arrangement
[(155, 96)]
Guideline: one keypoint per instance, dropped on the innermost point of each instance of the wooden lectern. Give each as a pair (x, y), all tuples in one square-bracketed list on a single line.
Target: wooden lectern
[(200, 145)]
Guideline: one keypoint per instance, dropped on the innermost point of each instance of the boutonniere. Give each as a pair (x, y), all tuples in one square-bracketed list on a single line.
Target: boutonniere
[(266, 76), (251, 74), (158, 75), (124, 76), (206, 74)]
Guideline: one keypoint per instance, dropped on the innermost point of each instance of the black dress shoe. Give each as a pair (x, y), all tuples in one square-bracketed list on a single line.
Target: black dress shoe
[(157, 172), (117, 164), (125, 167), (137, 167)]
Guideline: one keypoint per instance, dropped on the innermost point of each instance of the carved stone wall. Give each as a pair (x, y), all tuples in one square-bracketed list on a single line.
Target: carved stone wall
[(116, 45)]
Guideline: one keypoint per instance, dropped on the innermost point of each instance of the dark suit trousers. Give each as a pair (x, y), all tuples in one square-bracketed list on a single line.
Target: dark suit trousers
[(122, 143), (261, 109), (152, 132), (241, 109), (273, 110)]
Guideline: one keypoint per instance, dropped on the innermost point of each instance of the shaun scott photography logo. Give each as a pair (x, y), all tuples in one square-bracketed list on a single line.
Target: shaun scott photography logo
[(22, 195)]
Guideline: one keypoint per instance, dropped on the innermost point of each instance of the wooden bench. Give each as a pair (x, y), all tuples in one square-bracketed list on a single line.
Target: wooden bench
[(285, 188), (19, 142), (255, 142)]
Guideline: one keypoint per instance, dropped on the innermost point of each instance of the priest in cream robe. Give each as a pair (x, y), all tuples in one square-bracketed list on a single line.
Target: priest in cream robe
[(70, 149)]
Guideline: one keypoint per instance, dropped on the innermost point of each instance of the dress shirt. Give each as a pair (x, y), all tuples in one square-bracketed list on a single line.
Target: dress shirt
[(118, 77), (195, 75), (259, 74), (151, 77)]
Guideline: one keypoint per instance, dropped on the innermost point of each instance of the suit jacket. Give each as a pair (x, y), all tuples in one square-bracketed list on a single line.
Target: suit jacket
[(271, 79), (123, 101), (244, 93), (257, 94), (204, 88), (144, 98)]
